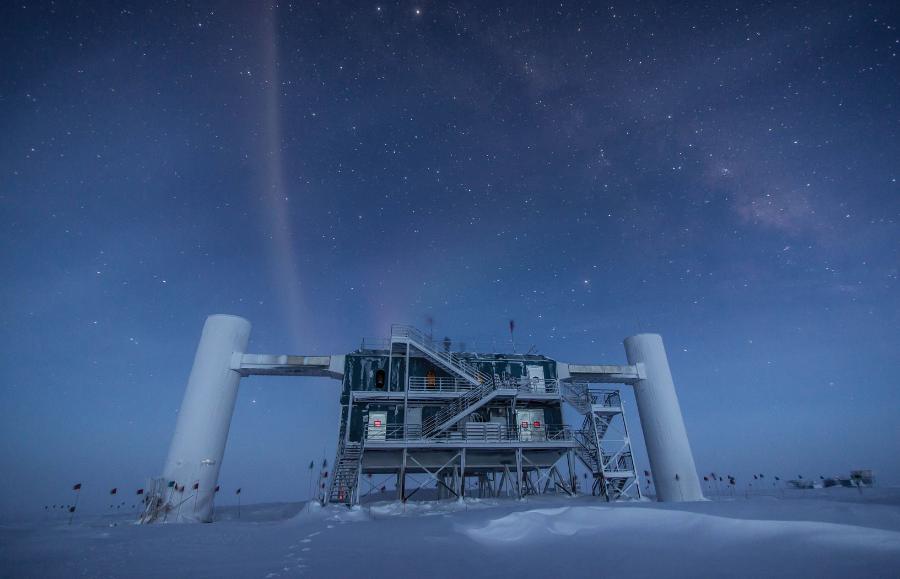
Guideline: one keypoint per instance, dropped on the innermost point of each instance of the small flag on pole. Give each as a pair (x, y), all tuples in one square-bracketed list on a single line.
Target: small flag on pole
[(217, 488), (171, 484), (77, 487), (196, 485), (237, 492), (113, 491), (140, 491)]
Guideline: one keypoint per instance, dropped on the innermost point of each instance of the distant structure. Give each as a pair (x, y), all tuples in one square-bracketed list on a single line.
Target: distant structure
[(858, 478), (418, 412)]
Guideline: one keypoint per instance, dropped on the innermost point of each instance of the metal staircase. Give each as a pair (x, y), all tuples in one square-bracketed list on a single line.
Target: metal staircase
[(484, 387), (461, 407), (345, 477), (610, 462), (447, 360)]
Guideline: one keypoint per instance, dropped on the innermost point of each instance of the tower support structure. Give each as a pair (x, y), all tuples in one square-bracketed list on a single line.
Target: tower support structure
[(191, 471), (671, 461)]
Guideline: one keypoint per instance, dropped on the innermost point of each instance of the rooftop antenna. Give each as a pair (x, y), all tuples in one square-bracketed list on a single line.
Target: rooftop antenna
[(429, 321), (512, 334)]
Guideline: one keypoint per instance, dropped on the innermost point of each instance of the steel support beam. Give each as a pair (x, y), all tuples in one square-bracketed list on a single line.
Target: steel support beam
[(287, 365)]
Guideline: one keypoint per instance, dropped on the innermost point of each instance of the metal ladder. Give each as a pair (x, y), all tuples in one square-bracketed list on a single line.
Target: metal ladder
[(346, 473)]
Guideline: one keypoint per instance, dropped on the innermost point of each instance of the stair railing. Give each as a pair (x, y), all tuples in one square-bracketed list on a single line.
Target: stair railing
[(448, 359)]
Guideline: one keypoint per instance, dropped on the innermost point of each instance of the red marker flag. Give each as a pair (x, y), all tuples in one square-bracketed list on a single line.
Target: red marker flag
[(77, 487)]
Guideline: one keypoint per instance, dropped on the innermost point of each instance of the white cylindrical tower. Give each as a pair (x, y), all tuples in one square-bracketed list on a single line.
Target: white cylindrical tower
[(204, 419), (671, 460)]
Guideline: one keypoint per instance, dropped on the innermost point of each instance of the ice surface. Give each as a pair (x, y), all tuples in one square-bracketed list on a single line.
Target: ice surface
[(828, 533)]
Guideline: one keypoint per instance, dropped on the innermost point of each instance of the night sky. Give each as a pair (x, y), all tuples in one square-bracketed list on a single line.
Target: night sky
[(722, 173)]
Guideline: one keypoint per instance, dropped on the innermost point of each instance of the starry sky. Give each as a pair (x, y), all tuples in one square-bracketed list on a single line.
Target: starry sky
[(723, 173)]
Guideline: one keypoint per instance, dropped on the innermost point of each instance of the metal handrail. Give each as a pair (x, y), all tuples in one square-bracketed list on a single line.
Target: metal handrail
[(582, 396), (438, 384), (342, 479), (375, 344), (443, 384), (605, 397), (477, 431), (458, 406), (532, 385), (427, 343)]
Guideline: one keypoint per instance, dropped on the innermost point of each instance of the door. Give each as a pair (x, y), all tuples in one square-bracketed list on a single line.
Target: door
[(531, 424), (536, 377), (413, 422), (377, 427)]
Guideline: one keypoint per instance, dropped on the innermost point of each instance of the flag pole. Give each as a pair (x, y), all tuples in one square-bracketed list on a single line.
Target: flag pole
[(77, 489)]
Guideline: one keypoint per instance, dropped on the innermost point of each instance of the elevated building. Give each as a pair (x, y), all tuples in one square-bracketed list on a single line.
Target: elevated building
[(418, 413)]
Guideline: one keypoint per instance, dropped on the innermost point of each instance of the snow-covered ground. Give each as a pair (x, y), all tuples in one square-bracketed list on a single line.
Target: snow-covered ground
[(822, 533)]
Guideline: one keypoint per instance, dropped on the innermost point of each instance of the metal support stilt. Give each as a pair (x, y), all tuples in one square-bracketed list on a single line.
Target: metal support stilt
[(401, 479), (519, 473), (461, 491), (570, 460)]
